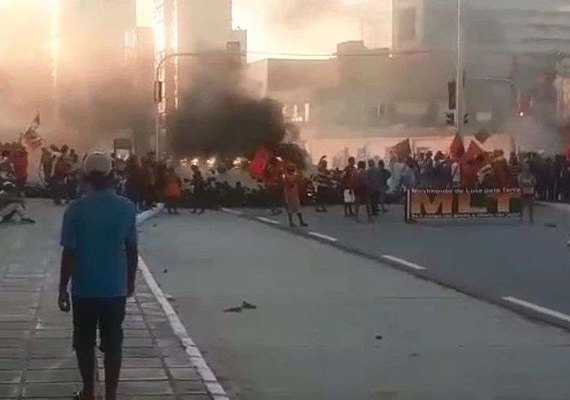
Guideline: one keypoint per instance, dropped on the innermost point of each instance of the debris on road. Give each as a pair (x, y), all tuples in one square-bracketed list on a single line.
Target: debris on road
[(248, 306), (379, 337), (234, 309)]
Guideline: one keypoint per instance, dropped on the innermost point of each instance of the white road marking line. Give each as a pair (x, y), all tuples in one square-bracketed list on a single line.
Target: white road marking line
[(196, 358), (230, 211), (322, 236), (404, 262), (269, 220), (540, 309)]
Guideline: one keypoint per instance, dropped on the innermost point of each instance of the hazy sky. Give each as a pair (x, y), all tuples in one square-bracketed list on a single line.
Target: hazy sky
[(296, 26)]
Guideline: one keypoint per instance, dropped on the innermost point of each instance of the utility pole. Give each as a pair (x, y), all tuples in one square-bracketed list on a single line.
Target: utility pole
[(459, 77), (158, 96)]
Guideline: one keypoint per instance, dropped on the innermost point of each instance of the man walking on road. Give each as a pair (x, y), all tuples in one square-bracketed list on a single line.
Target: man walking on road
[(100, 258)]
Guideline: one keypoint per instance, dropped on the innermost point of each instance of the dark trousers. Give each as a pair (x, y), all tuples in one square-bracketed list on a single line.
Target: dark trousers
[(374, 200), (57, 190), (171, 204)]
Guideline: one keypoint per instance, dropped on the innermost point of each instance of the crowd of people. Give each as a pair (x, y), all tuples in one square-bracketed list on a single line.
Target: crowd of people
[(363, 186)]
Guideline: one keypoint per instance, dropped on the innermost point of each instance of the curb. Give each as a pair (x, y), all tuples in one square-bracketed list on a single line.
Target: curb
[(421, 274), (197, 360)]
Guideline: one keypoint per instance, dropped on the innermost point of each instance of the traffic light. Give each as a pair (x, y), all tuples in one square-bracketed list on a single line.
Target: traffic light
[(450, 117), (452, 94), (466, 119)]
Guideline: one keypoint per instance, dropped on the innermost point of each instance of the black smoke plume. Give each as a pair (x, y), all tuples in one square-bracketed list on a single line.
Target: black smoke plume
[(217, 117)]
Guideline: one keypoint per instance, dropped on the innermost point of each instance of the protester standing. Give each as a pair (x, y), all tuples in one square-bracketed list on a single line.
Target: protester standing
[(323, 184), (378, 177), (100, 257), (292, 192), (172, 191), (46, 162), (455, 174), (362, 191), (527, 184), (410, 174), (501, 170), (199, 190), (348, 177), (20, 162), (58, 179), (384, 176)]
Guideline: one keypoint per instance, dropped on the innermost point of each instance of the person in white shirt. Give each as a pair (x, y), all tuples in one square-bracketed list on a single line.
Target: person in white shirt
[(455, 174)]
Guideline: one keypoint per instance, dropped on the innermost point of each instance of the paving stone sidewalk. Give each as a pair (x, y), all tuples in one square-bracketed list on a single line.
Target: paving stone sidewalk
[(36, 359)]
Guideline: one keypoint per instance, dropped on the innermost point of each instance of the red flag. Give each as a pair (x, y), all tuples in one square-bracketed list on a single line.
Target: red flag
[(31, 138), (457, 149), (402, 149), (474, 159), (259, 163)]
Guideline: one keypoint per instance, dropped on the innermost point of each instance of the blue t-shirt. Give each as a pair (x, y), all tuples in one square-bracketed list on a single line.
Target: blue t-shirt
[(97, 228)]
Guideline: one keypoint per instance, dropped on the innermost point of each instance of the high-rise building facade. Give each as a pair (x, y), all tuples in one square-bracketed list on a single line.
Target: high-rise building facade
[(192, 27), (28, 65), (94, 88), (515, 27)]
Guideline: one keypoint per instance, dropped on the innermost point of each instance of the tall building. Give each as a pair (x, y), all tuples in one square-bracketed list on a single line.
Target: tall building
[(27, 67), (509, 40), (95, 79), (514, 27), (140, 58), (189, 26)]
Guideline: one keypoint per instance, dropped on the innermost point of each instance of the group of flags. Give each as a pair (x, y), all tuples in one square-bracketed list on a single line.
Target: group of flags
[(31, 137)]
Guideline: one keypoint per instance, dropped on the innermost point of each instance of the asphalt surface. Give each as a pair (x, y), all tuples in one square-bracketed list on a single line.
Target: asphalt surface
[(320, 310), (492, 259)]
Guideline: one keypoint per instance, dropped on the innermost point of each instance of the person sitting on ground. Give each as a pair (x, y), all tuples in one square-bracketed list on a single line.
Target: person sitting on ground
[(292, 192), (172, 191), (100, 257), (12, 204), (7, 172)]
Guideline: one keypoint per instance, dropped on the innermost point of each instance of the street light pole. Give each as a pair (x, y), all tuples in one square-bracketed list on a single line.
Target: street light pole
[(459, 78)]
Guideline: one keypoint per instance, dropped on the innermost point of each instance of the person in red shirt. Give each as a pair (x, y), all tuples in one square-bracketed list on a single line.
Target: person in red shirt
[(292, 186), (20, 162), (172, 191)]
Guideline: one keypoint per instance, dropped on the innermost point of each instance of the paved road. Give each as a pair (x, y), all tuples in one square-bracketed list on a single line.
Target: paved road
[(320, 309), (493, 259)]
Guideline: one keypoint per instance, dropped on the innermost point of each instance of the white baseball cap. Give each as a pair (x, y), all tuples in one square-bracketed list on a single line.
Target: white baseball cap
[(98, 162)]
